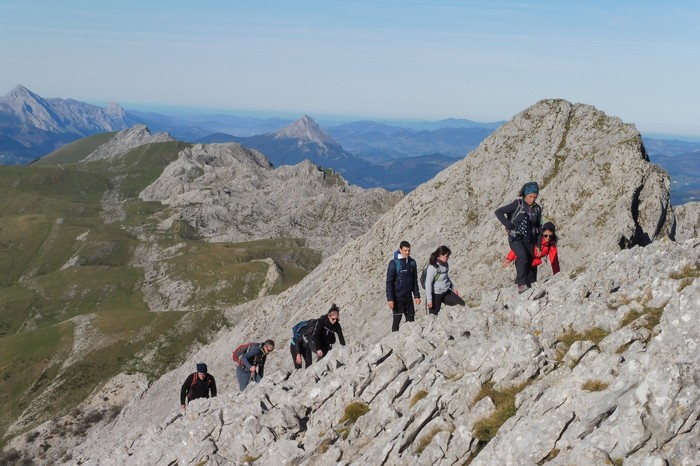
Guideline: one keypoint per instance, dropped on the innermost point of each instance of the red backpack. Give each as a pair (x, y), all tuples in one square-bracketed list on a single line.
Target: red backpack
[(240, 351)]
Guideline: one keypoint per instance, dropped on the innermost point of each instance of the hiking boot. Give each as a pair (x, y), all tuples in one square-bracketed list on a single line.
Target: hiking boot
[(522, 289)]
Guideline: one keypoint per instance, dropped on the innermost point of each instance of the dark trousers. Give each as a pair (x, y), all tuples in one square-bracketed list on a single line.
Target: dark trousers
[(450, 299), (403, 306), (305, 355), (525, 273)]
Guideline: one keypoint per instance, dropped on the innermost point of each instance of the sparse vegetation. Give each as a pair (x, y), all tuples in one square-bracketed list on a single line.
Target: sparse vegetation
[(554, 452), (426, 439), (420, 394), (250, 459), (504, 400), (354, 411), (594, 386), (595, 335)]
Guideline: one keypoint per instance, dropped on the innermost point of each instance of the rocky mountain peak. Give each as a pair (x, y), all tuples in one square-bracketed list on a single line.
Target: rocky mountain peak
[(306, 130), (126, 140)]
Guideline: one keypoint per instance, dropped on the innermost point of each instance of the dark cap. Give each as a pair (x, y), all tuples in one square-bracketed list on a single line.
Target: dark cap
[(201, 367)]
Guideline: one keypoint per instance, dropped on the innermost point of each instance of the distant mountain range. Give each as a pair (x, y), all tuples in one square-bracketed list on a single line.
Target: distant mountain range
[(393, 155)]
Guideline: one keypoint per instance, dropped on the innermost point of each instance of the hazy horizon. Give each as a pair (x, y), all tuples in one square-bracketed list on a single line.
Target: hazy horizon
[(390, 60)]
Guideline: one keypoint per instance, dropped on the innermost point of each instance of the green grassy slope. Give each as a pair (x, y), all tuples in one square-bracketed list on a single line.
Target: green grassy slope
[(65, 268)]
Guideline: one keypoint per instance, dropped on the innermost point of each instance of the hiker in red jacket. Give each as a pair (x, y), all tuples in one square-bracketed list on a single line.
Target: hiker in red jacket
[(199, 384), (549, 248)]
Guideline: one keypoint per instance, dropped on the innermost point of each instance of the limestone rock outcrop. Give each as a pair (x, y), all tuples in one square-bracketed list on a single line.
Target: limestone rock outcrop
[(231, 193), (126, 140)]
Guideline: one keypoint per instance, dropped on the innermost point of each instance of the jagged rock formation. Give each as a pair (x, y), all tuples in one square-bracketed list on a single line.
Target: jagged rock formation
[(125, 140), (688, 221), (231, 193), (602, 358)]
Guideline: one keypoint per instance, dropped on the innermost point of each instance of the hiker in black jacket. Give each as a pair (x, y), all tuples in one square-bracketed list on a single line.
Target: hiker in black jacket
[(317, 336), (402, 286), (197, 385), (252, 363)]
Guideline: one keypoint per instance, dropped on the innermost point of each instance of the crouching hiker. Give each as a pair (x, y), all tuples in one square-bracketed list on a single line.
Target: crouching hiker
[(199, 384), (316, 336), (250, 361)]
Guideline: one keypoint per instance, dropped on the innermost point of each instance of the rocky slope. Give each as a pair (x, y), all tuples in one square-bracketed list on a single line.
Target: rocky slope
[(599, 362), (125, 140)]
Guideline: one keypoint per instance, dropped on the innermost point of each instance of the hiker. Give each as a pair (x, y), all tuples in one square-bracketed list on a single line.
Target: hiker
[(251, 363), (549, 249), (316, 336), (523, 219), (402, 286), (438, 286), (199, 384)]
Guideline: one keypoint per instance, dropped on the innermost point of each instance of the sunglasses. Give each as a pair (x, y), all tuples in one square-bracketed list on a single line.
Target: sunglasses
[(547, 236)]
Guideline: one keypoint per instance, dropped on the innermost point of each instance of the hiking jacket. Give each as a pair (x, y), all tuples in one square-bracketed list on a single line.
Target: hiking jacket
[(546, 250), (255, 356), (403, 282), (318, 334), (526, 225), (440, 286), (198, 389)]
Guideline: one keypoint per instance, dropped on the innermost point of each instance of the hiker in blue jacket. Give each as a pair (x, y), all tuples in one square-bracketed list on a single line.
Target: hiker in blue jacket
[(197, 385), (402, 286), (252, 364), (316, 336)]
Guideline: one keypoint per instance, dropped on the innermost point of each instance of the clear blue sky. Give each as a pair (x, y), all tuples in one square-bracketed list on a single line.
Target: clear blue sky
[(429, 59)]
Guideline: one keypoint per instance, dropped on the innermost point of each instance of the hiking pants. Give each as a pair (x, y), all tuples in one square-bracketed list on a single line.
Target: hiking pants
[(525, 273), (449, 298), (305, 355), (403, 306), (244, 377)]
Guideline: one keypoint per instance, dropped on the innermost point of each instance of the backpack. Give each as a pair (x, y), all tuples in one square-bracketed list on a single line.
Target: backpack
[(424, 275), (297, 328), (515, 214), (240, 351)]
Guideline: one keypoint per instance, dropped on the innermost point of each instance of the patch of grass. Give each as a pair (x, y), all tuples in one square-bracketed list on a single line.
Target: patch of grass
[(250, 459), (594, 385), (577, 271), (569, 337), (420, 394), (504, 400), (554, 452), (688, 271), (354, 411), (629, 317), (426, 439)]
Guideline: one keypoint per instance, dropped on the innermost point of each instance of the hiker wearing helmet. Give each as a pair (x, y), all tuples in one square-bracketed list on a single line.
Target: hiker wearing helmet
[(316, 336), (549, 249), (199, 384), (438, 286), (523, 220), (402, 286), (251, 363)]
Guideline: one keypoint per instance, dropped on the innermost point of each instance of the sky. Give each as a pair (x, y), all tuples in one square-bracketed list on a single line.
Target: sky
[(382, 59)]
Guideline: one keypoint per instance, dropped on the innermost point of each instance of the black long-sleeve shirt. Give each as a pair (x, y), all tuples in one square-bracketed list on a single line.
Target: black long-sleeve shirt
[(197, 388)]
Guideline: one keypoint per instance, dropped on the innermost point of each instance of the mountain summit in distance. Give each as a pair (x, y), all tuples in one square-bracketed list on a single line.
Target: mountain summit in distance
[(306, 130)]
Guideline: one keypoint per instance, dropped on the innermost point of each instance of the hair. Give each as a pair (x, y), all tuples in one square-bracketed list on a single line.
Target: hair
[(334, 308), (404, 244), (549, 226), (438, 252), (270, 343), (529, 184)]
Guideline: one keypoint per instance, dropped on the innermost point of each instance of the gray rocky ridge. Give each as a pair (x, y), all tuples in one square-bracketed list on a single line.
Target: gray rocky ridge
[(126, 140), (602, 359)]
